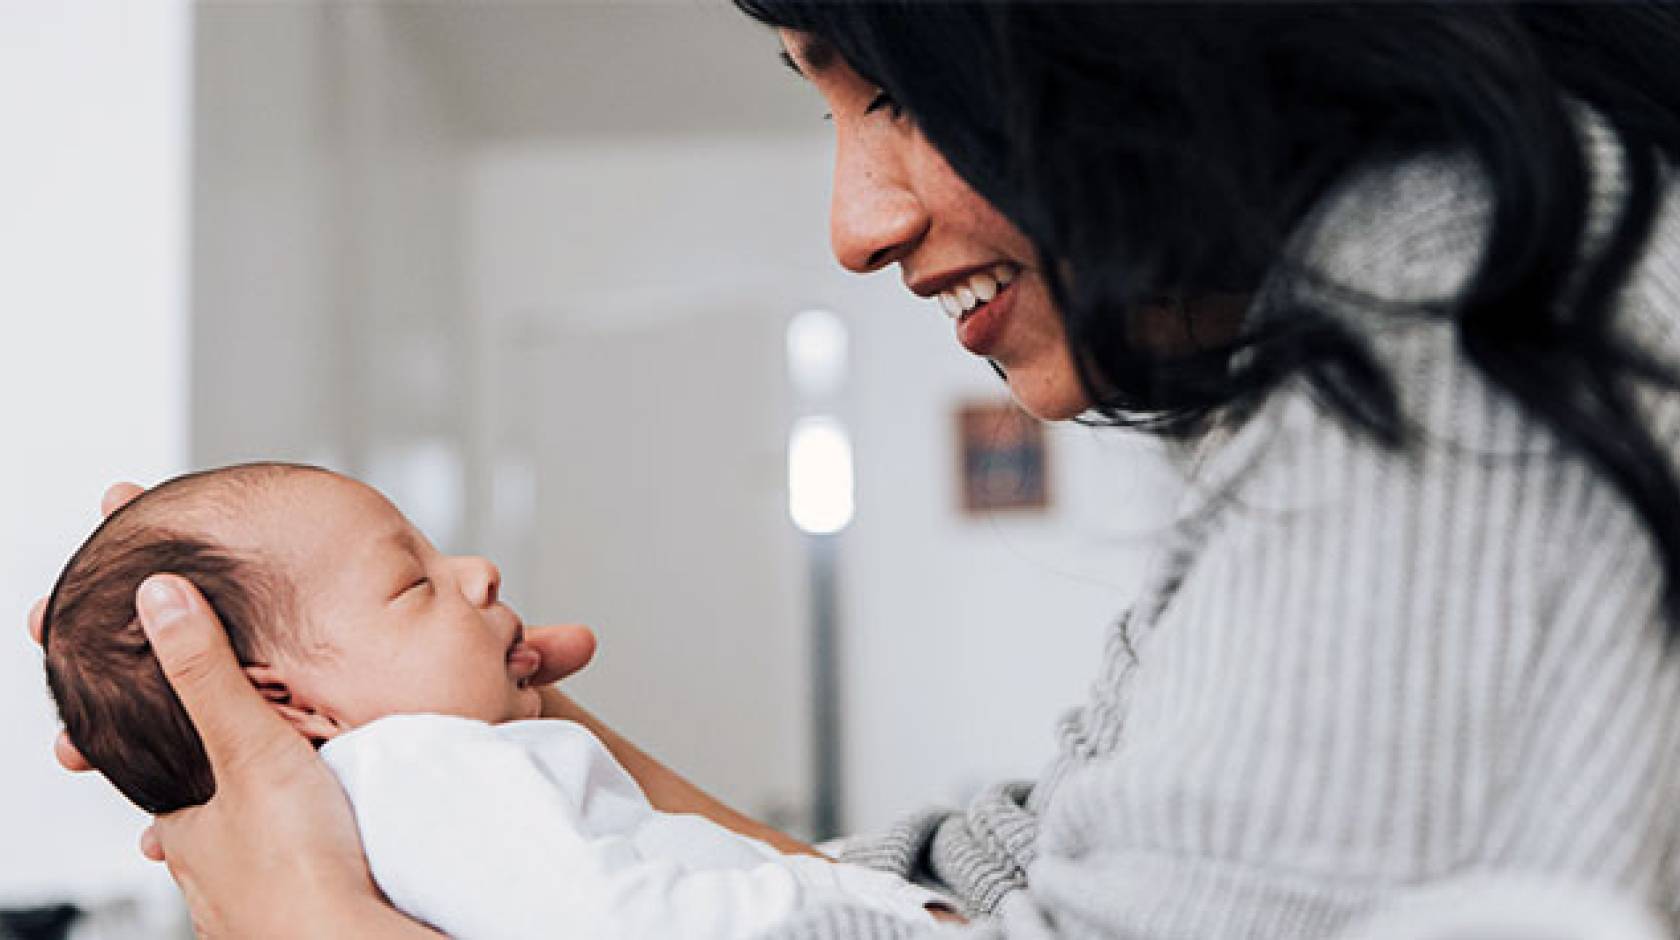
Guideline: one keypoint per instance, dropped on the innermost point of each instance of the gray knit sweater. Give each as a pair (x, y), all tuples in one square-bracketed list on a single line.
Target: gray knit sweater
[(1357, 673)]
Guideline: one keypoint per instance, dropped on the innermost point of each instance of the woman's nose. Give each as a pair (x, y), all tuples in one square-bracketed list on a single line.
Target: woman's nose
[(875, 217), (481, 581)]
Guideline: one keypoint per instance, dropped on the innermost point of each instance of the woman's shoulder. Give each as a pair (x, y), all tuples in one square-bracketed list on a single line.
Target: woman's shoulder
[(1408, 230), (1412, 230), (1386, 250)]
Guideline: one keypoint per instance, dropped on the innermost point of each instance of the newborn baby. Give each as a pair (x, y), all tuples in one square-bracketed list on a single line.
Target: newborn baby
[(409, 674)]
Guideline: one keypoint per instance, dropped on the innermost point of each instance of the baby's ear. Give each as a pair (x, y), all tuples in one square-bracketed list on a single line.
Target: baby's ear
[(312, 724)]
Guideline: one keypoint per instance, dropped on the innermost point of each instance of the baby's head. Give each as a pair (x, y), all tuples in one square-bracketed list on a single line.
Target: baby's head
[(339, 609)]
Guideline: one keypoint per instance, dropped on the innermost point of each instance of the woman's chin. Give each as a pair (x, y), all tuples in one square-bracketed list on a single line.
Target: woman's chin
[(1048, 400)]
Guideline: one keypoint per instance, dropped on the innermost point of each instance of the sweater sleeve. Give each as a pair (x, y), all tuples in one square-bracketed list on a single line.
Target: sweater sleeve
[(976, 858)]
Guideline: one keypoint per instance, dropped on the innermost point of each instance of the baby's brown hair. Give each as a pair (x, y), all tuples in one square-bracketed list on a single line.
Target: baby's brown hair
[(116, 705)]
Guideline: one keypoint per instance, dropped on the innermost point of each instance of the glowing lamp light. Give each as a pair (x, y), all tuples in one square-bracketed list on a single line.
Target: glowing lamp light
[(816, 353), (820, 476)]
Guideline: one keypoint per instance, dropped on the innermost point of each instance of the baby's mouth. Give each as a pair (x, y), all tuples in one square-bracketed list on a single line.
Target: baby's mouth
[(523, 660)]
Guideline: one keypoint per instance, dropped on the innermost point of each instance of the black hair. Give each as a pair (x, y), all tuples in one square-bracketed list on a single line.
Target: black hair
[(1158, 152), (117, 706)]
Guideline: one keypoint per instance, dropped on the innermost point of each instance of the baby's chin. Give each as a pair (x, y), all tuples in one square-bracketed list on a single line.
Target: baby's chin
[(527, 703)]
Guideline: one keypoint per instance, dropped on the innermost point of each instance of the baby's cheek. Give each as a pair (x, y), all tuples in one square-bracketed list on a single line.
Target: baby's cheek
[(493, 698)]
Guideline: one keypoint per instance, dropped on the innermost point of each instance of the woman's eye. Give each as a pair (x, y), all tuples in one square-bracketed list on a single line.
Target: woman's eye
[(881, 100), (884, 100)]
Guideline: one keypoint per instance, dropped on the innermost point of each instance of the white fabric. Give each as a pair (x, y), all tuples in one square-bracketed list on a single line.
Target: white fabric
[(531, 829)]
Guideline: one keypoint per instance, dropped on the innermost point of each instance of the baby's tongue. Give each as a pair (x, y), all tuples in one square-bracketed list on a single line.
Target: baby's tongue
[(523, 657)]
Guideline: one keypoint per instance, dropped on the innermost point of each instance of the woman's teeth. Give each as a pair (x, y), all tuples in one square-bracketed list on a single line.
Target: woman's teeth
[(978, 289)]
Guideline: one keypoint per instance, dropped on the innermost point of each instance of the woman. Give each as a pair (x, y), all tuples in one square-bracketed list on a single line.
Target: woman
[(1406, 279)]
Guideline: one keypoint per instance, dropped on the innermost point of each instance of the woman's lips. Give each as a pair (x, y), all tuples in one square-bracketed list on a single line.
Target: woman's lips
[(979, 329)]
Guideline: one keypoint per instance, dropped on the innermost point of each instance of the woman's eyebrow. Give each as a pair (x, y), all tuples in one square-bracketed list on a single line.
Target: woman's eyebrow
[(817, 54)]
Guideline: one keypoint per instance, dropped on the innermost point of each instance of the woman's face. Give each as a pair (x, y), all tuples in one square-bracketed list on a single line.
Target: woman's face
[(896, 201)]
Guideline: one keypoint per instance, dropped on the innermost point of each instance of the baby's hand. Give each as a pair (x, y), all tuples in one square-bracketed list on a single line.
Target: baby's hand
[(565, 649)]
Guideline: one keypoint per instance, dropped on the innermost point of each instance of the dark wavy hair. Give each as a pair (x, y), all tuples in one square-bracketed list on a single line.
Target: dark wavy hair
[(1160, 152)]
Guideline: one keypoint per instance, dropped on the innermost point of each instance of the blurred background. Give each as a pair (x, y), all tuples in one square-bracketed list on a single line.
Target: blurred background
[(555, 277)]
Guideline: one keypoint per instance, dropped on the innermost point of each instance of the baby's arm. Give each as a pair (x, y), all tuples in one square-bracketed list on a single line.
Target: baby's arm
[(482, 834)]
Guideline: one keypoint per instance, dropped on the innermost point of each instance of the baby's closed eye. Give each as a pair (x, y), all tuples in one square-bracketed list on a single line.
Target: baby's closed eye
[(421, 582)]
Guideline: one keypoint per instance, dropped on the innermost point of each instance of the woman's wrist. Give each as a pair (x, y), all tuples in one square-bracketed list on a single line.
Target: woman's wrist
[(667, 790), (364, 917), (557, 704)]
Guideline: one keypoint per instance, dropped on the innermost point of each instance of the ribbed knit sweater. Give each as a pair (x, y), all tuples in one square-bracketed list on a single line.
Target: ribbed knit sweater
[(1357, 672)]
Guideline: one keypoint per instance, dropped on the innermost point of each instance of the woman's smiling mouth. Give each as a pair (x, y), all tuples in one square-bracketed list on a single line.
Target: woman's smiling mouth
[(977, 301), (979, 305), (976, 289)]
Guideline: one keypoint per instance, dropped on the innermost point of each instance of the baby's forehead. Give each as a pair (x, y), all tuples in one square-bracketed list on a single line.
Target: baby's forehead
[(302, 518), (320, 510)]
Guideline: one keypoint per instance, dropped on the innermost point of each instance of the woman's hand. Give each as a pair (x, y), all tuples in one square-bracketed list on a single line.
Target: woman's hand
[(275, 852)]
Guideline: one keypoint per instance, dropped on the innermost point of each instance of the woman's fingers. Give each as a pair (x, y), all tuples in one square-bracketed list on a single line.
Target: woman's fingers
[(66, 753), (150, 846), (274, 853), (69, 757), (63, 750), (38, 619), (565, 649), (238, 728), (118, 495)]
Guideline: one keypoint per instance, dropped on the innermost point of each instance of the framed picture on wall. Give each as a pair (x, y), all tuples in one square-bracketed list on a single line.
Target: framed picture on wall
[(1003, 460)]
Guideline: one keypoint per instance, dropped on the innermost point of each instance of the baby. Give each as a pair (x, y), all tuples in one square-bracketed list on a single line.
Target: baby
[(406, 670)]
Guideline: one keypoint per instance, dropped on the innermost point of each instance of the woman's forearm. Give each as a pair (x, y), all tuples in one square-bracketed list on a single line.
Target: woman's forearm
[(665, 788)]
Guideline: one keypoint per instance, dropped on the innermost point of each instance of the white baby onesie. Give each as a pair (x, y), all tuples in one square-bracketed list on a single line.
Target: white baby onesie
[(531, 829)]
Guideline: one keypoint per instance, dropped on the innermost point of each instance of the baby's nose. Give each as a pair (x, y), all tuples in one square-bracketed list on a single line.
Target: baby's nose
[(484, 581)]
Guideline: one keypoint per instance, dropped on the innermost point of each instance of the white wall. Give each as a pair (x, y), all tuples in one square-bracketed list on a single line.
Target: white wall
[(268, 145), (327, 260), (635, 314), (967, 637), (93, 328)]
